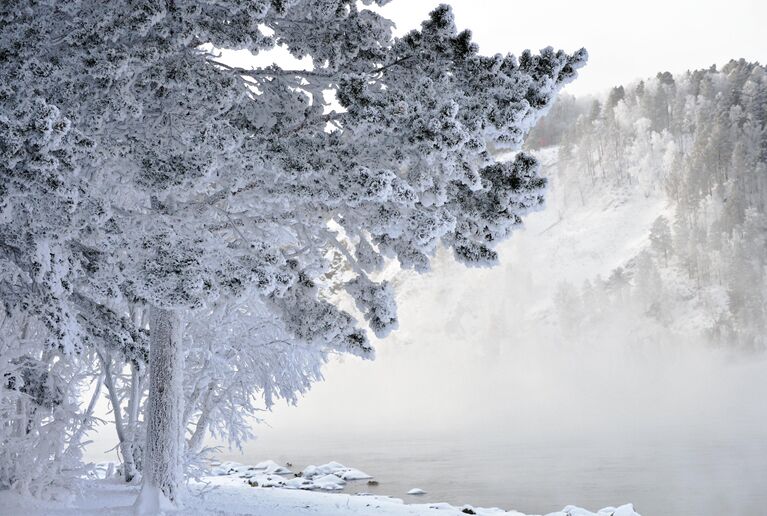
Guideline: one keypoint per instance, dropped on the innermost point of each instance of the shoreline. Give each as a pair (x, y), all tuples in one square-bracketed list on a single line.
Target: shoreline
[(231, 495)]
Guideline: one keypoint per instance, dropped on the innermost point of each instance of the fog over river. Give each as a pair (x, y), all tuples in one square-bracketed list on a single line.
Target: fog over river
[(482, 398)]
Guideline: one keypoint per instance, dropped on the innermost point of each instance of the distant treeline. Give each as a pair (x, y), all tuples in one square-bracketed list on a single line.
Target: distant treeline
[(700, 138)]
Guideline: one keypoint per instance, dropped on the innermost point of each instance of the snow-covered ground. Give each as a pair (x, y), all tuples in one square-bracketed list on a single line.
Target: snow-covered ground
[(232, 494)]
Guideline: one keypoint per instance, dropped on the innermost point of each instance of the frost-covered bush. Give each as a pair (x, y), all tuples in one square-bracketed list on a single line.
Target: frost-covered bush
[(39, 411)]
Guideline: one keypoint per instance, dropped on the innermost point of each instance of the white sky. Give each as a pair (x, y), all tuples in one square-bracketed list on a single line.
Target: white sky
[(625, 40)]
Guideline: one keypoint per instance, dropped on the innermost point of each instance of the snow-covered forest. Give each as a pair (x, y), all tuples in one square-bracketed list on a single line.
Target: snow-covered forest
[(203, 204), (697, 139)]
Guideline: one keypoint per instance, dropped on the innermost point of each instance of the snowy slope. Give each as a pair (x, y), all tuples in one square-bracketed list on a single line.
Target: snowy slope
[(567, 241), (573, 241)]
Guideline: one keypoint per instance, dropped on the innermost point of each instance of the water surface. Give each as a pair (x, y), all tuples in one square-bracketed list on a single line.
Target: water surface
[(674, 477)]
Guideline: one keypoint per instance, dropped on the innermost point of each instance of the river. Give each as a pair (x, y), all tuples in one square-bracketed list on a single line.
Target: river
[(670, 477)]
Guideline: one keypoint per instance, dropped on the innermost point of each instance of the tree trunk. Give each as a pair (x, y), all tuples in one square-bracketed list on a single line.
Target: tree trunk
[(134, 402), (198, 437), (126, 444), (74, 442), (163, 455), (137, 389)]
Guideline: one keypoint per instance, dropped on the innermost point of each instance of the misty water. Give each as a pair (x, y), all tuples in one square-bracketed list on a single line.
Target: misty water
[(673, 476), (682, 436)]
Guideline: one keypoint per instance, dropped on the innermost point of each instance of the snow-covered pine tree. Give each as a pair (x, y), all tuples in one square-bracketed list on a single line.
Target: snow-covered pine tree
[(182, 181)]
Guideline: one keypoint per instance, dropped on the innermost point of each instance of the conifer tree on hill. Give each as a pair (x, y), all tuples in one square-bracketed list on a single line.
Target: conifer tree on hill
[(139, 168)]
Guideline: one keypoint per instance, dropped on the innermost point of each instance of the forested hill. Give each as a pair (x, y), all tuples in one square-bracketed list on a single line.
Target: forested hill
[(699, 139)]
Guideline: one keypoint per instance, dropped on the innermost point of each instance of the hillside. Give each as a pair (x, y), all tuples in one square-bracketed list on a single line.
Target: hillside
[(697, 141)]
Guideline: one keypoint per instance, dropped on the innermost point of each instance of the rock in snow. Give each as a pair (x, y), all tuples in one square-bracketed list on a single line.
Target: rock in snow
[(416, 491), (571, 510), (329, 477), (262, 480), (227, 468), (329, 482), (299, 483), (269, 466), (337, 469)]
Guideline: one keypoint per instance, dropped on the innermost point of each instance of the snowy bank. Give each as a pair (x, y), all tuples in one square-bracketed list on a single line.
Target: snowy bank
[(329, 477), (230, 494)]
